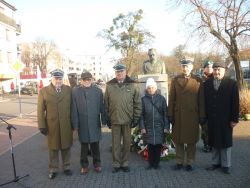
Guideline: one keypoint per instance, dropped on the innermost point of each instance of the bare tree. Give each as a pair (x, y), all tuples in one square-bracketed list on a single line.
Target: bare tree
[(227, 20), (41, 49), (128, 36)]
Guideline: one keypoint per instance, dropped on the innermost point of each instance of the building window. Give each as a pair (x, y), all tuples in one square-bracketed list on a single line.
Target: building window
[(9, 57), (1, 60), (7, 35)]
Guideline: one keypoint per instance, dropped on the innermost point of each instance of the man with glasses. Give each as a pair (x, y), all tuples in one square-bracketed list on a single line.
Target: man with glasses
[(87, 114), (153, 65), (53, 112), (123, 104)]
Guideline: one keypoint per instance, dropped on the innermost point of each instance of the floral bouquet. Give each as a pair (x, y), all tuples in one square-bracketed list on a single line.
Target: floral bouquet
[(137, 144)]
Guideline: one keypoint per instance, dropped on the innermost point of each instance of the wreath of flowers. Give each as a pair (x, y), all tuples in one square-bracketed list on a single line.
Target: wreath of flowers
[(138, 145)]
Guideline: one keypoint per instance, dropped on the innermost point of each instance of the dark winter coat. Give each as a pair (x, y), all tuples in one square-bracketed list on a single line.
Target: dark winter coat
[(154, 118), (186, 107), (87, 113), (53, 113), (222, 107)]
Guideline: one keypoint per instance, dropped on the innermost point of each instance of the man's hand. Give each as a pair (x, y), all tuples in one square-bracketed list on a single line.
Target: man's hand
[(143, 131), (43, 131), (135, 122), (233, 124), (202, 121), (109, 124), (171, 119)]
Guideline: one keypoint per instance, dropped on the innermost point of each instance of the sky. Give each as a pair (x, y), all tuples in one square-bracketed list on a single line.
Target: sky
[(74, 24)]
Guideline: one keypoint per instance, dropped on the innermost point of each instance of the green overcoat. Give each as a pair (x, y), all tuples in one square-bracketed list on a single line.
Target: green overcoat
[(53, 113)]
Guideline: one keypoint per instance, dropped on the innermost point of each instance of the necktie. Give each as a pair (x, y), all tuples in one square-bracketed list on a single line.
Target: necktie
[(58, 90)]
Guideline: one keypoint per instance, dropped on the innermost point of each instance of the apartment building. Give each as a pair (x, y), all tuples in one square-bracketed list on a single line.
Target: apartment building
[(9, 32)]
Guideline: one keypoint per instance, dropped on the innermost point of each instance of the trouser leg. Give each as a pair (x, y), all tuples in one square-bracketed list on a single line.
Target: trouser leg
[(84, 155), (157, 156), (179, 153), (151, 154), (126, 135), (191, 148), (95, 150), (216, 156), (225, 154), (65, 153), (116, 145), (53, 160)]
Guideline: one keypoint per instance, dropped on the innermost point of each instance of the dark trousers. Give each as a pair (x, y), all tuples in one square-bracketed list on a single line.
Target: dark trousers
[(95, 153), (154, 154)]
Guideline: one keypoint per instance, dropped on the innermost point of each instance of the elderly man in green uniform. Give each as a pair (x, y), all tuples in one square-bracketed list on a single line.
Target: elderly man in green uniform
[(153, 65), (207, 73), (123, 104), (186, 111), (53, 111)]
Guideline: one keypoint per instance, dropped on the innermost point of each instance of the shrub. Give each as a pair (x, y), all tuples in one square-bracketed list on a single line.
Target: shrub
[(244, 102)]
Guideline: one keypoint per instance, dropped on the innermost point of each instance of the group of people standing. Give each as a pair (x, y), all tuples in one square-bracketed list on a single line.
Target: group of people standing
[(192, 102)]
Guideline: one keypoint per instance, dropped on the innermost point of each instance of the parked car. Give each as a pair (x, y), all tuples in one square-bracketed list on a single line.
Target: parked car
[(29, 88)]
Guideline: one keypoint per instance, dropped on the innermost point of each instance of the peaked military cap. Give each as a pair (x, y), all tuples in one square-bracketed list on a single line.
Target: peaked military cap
[(186, 62), (119, 67), (219, 64), (57, 73), (208, 62), (86, 75)]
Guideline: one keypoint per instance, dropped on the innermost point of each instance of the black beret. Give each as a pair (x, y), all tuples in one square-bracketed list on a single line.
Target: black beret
[(119, 67), (57, 73), (86, 75), (219, 64)]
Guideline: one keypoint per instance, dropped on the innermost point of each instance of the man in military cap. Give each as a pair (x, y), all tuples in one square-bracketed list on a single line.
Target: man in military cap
[(222, 110), (207, 73), (87, 113), (153, 65), (123, 104), (53, 111), (186, 110)]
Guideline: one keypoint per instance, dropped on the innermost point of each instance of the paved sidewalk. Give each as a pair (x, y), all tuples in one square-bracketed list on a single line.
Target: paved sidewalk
[(31, 158)]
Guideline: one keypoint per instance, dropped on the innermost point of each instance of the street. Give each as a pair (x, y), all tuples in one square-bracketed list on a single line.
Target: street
[(10, 106)]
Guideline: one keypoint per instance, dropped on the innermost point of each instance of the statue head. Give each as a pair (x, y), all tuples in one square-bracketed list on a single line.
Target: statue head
[(152, 55)]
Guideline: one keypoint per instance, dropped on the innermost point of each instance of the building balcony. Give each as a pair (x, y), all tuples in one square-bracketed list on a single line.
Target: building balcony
[(11, 22)]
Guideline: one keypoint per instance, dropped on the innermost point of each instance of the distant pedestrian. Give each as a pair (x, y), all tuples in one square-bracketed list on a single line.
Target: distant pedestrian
[(154, 124), (53, 111), (222, 109), (12, 88), (186, 110), (88, 112)]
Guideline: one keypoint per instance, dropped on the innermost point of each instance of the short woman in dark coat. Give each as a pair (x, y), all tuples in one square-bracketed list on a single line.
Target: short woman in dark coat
[(154, 123)]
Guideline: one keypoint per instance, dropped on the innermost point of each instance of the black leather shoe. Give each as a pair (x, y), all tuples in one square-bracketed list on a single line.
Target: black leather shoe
[(115, 169), (189, 168), (52, 175), (213, 167), (226, 170), (68, 172), (125, 169), (178, 167)]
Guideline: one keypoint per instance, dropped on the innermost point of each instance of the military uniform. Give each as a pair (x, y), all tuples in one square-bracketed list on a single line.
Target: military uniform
[(186, 109), (123, 104), (53, 111)]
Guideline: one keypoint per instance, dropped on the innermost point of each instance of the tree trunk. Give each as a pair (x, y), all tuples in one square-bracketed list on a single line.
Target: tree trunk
[(238, 70)]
